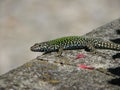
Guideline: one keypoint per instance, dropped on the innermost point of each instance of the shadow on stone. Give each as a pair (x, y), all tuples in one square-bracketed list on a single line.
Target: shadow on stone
[(115, 81), (116, 40), (115, 71), (116, 56), (118, 31)]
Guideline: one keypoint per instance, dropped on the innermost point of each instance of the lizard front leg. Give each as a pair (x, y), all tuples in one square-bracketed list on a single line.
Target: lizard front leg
[(60, 51)]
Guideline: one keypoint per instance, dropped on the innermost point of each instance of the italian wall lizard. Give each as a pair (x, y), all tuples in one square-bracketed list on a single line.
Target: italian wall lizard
[(74, 42)]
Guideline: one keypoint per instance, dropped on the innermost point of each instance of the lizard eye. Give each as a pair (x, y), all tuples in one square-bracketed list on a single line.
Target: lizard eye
[(39, 45)]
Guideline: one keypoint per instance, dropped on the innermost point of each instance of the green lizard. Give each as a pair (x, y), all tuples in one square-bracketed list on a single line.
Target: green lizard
[(74, 42)]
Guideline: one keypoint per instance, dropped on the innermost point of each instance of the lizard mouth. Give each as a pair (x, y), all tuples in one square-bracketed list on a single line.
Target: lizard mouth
[(31, 48)]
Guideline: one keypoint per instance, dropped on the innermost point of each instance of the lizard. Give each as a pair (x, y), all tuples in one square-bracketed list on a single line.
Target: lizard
[(74, 42)]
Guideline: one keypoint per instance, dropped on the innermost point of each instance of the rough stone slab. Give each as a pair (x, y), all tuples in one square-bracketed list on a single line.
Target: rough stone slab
[(62, 73)]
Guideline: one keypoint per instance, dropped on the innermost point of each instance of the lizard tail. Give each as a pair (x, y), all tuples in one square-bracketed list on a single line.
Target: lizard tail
[(112, 46)]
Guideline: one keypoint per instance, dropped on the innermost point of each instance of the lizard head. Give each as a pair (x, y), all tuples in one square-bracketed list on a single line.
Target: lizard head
[(39, 47)]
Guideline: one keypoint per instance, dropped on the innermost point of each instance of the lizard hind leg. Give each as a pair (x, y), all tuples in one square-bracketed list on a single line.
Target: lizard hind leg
[(59, 53), (90, 48)]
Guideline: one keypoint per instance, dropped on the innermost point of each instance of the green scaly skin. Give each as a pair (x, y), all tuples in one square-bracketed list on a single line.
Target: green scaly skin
[(74, 42)]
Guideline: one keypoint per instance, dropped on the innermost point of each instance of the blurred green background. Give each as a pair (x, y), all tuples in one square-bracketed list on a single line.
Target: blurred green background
[(25, 22)]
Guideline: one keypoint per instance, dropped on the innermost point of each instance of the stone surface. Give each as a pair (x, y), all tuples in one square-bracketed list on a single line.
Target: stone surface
[(62, 73)]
